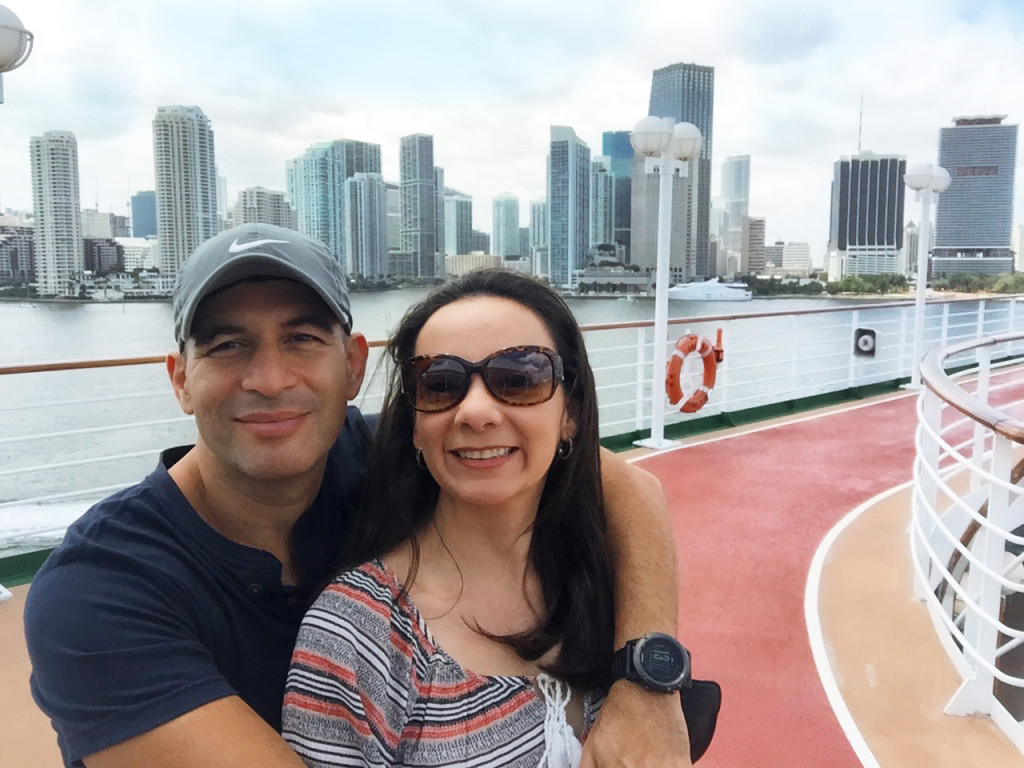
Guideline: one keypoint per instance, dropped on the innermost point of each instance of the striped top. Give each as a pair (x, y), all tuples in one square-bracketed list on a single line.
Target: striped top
[(368, 686)]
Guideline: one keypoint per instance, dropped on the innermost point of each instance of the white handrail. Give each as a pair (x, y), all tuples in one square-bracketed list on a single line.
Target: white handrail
[(967, 534)]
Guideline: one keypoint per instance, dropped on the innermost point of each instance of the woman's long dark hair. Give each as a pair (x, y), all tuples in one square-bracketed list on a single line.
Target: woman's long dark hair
[(568, 548)]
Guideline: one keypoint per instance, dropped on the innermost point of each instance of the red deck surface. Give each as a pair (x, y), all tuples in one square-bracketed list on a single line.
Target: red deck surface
[(749, 511)]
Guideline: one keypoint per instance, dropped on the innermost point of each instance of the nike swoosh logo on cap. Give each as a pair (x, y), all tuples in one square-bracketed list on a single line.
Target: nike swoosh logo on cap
[(237, 247)]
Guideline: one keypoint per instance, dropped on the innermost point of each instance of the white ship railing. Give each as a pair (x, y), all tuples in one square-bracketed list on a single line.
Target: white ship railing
[(94, 426), (967, 534)]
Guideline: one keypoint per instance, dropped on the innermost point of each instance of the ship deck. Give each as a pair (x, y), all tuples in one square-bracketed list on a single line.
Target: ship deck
[(792, 542), (812, 511)]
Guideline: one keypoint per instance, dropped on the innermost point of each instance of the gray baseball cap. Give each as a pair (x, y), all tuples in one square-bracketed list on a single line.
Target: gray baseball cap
[(257, 250)]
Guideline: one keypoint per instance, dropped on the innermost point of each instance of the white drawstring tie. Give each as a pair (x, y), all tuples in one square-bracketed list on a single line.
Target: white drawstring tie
[(561, 747)]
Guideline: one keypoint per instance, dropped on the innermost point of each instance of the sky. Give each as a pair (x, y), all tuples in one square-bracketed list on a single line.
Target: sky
[(489, 77)]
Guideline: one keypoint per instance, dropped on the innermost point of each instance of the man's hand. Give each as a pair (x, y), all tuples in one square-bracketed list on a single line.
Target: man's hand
[(638, 728)]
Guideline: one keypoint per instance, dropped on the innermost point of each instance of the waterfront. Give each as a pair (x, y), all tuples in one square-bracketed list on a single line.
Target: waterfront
[(50, 331)]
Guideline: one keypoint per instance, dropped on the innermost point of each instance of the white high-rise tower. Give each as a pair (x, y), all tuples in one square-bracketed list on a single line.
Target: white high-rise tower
[(186, 185), (55, 195)]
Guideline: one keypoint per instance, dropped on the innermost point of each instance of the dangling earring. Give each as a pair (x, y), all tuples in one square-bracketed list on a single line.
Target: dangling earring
[(419, 459), (565, 448)]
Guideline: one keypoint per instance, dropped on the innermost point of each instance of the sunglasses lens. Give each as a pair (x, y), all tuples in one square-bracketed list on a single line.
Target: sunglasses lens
[(520, 377), (438, 383)]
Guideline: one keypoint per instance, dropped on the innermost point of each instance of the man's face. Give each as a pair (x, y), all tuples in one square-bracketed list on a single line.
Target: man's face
[(267, 372)]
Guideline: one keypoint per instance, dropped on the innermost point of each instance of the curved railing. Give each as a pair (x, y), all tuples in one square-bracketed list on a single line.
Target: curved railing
[(967, 535)]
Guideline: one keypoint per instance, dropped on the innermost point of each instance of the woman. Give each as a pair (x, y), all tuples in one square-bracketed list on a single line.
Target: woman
[(479, 629)]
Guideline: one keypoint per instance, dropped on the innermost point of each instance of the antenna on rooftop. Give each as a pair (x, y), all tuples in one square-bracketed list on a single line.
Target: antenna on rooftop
[(860, 122)]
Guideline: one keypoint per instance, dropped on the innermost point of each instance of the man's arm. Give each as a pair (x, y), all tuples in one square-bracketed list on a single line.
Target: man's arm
[(222, 734), (638, 727)]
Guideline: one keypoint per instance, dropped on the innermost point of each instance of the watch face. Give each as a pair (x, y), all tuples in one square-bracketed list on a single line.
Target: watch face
[(663, 660)]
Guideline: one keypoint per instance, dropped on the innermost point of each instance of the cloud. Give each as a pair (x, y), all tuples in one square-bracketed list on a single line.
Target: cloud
[(775, 32), (488, 77)]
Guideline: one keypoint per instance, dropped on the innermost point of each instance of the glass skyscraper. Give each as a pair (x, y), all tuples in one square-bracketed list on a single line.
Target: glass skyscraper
[(144, 213), (736, 194), (686, 92), (616, 147), (568, 206), (974, 216), (419, 203), (316, 189)]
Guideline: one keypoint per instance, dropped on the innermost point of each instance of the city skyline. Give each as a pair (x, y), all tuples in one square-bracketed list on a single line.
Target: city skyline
[(788, 83)]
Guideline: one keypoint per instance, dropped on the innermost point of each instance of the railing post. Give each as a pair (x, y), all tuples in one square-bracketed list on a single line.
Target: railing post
[(944, 336), (854, 322), (1012, 324), (980, 632), (901, 358), (984, 355), (926, 490), (979, 329), (641, 366)]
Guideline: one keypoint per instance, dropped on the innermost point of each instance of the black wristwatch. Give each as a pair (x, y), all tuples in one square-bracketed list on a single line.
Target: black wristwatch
[(657, 661)]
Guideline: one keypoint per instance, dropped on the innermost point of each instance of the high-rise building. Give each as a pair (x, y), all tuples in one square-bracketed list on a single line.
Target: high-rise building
[(796, 257), (538, 224), (479, 241), (366, 225), (316, 187), (568, 206), (439, 213), (394, 197), (602, 230), (16, 252), (539, 236), (144, 213), (974, 216), (735, 197), (186, 185), (258, 205), (524, 248), (102, 255), (616, 146), (120, 226), (419, 203), (753, 258), (97, 224), (644, 224), (1018, 245), (866, 229), (686, 92), (505, 226), (58, 225), (458, 223), (911, 237)]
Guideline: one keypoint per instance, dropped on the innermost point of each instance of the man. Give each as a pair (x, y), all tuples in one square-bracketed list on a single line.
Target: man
[(161, 629)]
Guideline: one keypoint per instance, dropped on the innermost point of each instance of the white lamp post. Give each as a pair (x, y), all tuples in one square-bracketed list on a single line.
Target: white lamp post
[(928, 182), (667, 147), (15, 44)]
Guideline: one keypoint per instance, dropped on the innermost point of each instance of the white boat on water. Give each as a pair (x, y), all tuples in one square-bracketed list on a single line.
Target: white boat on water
[(710, 290)]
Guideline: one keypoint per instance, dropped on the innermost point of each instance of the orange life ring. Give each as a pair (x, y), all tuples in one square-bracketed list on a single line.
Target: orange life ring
[(711, 355)]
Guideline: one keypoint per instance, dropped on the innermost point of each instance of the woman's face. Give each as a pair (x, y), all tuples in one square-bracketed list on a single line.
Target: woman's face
[(484, 452)]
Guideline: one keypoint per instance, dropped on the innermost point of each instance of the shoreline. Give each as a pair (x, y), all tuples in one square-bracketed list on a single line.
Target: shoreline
[(905, 296)]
